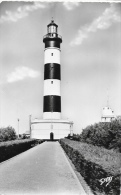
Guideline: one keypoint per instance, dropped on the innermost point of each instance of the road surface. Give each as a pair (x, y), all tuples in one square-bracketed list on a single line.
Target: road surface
[(42, 170)]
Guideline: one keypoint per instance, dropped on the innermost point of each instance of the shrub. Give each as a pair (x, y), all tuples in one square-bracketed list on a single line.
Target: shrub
[(107, 135), (23, 136), (7, 133)]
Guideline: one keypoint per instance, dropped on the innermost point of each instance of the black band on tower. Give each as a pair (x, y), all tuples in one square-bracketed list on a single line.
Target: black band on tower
[(52, 103), (52, 43), (52, 71)]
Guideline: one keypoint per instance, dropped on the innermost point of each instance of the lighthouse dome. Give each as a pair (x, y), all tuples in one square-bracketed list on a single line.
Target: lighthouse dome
[(52, 23)]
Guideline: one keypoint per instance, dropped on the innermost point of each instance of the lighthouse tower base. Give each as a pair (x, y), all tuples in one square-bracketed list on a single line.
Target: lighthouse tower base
[(51, 129)]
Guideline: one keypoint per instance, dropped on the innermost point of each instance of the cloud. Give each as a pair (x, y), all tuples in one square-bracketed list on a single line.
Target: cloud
[(21, 12), (108, 17), (71, 5), (22, 73)]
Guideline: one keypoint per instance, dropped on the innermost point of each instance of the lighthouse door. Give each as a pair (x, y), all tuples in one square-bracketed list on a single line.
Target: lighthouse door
[(51, 136)]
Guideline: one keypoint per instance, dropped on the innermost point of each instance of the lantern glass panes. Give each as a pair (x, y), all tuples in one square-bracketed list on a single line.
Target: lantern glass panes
[(52, 29)]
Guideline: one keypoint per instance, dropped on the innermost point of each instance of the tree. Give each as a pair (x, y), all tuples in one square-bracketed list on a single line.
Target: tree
[(107, 135), (7, 133)]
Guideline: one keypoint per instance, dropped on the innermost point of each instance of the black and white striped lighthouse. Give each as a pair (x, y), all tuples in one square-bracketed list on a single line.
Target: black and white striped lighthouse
[(52, 126), (52, 73)]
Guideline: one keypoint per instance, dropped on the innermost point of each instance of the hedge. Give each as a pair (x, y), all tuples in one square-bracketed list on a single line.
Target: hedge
[(11, 148), (95, 164)]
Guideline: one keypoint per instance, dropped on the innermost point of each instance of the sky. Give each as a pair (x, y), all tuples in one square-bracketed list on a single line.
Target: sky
[(90, 60)]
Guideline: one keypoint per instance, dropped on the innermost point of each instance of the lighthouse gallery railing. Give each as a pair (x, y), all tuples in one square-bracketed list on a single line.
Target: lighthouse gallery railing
[(50, 35)]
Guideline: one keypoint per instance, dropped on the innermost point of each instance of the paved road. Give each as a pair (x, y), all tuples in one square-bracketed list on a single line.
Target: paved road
[(43, 169)]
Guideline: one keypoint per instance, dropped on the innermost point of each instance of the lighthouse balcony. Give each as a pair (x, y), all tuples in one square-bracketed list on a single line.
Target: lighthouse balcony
[(52, 36)]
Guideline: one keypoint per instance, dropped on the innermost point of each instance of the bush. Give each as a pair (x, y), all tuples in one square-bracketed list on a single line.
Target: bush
[(107, 135), (75, 137), (24, 136), (95, 163), (11, 148), (7, 133)]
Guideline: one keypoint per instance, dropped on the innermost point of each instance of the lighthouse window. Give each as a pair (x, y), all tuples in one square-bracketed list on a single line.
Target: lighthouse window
[(51, 54), (51, 82)]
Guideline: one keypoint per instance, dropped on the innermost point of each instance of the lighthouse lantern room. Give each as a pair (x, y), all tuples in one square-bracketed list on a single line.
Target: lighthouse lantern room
[(52, 27)]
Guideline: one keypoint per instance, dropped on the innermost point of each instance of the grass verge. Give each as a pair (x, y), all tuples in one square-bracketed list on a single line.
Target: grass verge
[(99, 167)]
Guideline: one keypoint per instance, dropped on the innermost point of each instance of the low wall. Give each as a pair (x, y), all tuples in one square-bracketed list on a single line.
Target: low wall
[(103, 180)]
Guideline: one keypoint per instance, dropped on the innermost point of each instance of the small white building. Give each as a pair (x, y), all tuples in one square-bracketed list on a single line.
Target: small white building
[(107, 114)]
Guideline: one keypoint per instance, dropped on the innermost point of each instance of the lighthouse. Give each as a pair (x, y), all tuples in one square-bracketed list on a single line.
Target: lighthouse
[(52, 73), (52, 126)]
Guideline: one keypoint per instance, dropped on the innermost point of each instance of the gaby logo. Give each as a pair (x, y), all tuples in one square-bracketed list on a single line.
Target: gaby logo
[(106, 180)]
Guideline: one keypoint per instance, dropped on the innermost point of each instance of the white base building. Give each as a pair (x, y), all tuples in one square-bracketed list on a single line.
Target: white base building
[(51, 129)]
